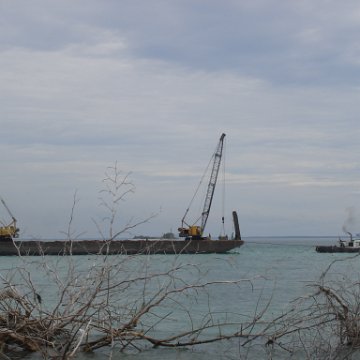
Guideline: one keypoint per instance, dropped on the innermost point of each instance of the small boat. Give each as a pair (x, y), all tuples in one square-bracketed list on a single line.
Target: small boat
[(344, 246)]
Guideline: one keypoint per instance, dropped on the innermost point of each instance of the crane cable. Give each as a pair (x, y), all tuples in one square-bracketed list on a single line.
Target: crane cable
[(197, 190), (223, 190)]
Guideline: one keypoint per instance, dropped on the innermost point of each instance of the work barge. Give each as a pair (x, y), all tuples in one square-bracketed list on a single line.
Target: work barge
[(192, 240)]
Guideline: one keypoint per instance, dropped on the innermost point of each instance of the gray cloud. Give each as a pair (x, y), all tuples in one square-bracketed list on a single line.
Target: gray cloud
[(302, 42), (153, 86)]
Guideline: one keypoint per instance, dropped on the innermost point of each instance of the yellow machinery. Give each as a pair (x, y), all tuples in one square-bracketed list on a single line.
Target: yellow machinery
[(8, 231), (191, 231)]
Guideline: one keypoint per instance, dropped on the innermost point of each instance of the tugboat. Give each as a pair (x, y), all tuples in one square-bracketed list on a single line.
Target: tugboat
[(352, 245)]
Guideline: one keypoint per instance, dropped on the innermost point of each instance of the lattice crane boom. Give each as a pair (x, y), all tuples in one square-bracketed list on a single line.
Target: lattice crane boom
[(212, 183)]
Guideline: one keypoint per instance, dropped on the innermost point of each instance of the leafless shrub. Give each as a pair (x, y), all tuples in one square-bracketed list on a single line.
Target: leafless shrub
[(117, 186), (324, 324), (109, 301), (62, 305)]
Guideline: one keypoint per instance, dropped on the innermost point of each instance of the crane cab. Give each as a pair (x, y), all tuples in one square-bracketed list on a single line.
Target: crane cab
[(192, 231), (10, 231)]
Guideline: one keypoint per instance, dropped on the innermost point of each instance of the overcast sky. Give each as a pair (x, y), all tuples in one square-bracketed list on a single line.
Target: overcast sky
[(151, 85)]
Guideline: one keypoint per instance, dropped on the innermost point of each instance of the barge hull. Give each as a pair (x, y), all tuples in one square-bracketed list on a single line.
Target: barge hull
[(116, 247)]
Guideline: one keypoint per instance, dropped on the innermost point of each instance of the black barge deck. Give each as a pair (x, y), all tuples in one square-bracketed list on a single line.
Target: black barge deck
[(115, 247)]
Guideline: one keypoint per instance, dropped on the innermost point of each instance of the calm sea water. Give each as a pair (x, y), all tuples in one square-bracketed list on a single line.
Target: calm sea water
[(275, 270)]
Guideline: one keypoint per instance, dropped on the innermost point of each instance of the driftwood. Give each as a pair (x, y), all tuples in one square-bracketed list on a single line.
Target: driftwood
[(117, 302), (104, 305)]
